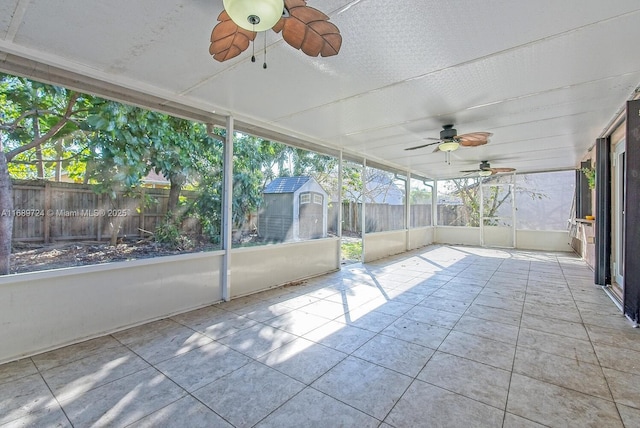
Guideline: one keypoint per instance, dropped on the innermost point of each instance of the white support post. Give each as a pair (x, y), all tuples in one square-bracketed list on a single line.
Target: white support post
[(227, 213), (481, 213), (434, 205), (339, 208), (363, 193), (407, 211)]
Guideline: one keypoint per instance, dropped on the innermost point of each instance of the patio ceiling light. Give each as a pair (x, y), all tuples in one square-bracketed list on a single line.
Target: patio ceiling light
[(485, 173), (254, 15), (448, 146)]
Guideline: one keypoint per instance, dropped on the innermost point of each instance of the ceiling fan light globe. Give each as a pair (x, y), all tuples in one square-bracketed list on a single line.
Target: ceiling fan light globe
[(448, 146), (485, 173), (244, 13)]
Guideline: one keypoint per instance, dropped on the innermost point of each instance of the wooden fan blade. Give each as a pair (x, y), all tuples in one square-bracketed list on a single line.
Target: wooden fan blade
[(474, 136), (309, 30), (421, 146), (228, 40), (472, 170), (497, 170), (472, 143)]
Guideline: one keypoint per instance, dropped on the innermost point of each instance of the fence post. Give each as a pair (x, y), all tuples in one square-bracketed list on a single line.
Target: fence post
[(47, 209), (142, 207), (100, 219)]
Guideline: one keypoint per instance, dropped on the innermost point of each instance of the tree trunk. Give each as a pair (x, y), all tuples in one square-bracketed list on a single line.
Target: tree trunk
[(6, 217), (36, 133), (177, 181), (58, 161)]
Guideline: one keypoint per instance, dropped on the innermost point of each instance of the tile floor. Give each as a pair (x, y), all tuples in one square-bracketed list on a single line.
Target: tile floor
[(441, 336)]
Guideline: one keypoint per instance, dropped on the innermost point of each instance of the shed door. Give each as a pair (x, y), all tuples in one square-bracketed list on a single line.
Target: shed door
[(311, 215)]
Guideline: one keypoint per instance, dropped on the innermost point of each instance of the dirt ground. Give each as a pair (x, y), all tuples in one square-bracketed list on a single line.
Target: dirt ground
[(37, 257)]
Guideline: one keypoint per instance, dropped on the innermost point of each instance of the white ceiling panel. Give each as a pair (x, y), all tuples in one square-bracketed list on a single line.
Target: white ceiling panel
[(545, 77)]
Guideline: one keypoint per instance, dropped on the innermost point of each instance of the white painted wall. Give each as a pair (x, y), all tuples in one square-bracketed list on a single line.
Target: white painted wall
[(420, 237), (258, 268), (457, 235), (543, 240), (40, 311), (383, 244)]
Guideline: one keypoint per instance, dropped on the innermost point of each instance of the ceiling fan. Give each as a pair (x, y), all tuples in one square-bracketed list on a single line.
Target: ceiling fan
[(485, 170), (450, 140), (302, 27)]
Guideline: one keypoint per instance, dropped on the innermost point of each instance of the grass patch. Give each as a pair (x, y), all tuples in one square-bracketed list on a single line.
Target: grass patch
[(351, 250)]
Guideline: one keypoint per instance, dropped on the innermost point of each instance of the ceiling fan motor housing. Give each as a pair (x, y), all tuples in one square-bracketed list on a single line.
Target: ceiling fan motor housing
[(448, 133), (484, 165)]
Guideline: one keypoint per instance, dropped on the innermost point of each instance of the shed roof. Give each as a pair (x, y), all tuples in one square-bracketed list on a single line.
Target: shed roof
[(286, 184)]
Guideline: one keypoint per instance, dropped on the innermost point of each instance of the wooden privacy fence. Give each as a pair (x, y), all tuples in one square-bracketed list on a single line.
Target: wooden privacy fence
[(378, 217), (46, 211)]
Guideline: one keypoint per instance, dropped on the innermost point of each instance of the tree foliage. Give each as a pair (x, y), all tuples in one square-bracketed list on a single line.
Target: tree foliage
[(48, 132)]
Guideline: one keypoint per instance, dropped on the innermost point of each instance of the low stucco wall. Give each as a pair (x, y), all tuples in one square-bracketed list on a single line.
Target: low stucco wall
[(255, 269), (420, 237), (40, 311), (543, 240), (457, 235)]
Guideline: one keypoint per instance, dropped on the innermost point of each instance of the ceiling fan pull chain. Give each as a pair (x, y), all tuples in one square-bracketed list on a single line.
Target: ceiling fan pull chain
[(265, 51), (253, 47)]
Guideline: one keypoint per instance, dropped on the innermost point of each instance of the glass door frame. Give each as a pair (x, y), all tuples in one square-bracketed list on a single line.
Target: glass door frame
[(620, 172)]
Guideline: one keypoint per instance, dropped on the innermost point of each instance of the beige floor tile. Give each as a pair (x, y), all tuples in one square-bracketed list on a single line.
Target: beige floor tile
[(494, 314), (72, 353), (258, 340), (23, 396), (17, 369), (559, 327), (425, 405), (625, 387), (630, 416), (555, 311), (404, 357), (367, 319), (187, 411), (628, 338), (435, 317), (616, 358), (167, 343), (566, 372), (474, 380), (51, 417), (124, 401), (249, 394), (78, 377), (514, 421), (369, 388), (303, 359), (557, 345), (342, 337), (203, 365), (416, 332), (386, 306), (556, 406), (313, 409), (449, 305), (490, 329), (480, 349), (297, 321)]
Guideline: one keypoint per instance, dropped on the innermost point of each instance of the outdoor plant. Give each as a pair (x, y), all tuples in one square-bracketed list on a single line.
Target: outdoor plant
[(590, 173)]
